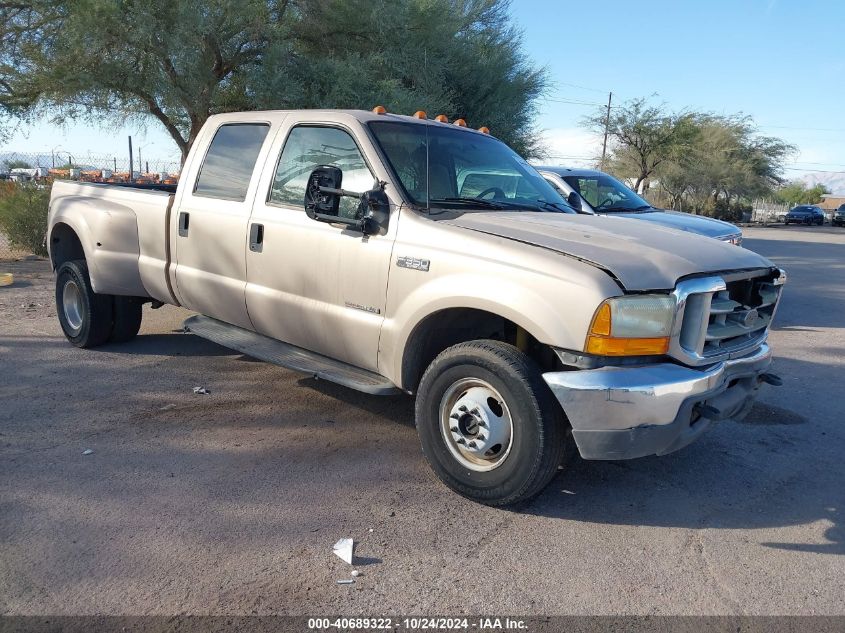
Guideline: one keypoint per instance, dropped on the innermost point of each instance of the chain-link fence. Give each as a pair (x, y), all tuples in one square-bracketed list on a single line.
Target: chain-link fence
[(9, 252), (88, 167), (768, 211), (25, 180)]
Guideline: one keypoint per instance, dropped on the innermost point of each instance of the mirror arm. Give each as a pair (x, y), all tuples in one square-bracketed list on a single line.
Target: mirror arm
[(333, 219), (340, 192)]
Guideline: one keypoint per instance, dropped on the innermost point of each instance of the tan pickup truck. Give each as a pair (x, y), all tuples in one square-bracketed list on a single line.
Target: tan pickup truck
[(395, 254)]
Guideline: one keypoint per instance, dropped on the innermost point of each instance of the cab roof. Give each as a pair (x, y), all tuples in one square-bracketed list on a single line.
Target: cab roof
[(364, 116)]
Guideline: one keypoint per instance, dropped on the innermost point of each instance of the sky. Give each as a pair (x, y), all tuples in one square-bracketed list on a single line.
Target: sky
[(781, 62)]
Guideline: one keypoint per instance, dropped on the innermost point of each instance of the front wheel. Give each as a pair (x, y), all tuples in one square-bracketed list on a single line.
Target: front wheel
[(488, 423)]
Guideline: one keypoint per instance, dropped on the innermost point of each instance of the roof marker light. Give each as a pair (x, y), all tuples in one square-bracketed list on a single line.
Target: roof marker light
[(484, 129), (419, 114), (441, 118), (379, 110), (460, 123)]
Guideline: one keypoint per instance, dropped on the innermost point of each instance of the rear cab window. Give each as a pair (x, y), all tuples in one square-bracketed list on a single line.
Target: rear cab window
[(229, 163)]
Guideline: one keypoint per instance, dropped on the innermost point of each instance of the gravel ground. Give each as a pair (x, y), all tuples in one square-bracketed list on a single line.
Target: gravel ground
[(229, 503)]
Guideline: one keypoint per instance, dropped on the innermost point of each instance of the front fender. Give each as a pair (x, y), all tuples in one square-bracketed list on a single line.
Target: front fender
[(555, 312)]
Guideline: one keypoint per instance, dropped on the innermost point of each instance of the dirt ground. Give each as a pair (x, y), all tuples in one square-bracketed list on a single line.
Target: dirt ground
[(229, 503)]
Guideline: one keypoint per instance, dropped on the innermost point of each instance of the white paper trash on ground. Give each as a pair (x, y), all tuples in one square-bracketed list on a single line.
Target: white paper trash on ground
[(345, 549)]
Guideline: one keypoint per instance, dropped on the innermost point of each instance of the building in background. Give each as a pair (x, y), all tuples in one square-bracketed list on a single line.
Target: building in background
[(831, 203)]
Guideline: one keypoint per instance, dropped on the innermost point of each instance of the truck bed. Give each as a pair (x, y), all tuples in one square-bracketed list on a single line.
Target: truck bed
[(124, 234)]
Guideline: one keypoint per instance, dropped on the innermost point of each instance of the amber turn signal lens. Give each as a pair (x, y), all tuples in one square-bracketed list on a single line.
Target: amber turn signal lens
[(419, 114), (442, 118), (606, 346), (379, 110), (601, 322)]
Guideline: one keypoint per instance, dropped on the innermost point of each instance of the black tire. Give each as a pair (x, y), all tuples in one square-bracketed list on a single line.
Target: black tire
[(539, 437), (127, 319), (91, 312)]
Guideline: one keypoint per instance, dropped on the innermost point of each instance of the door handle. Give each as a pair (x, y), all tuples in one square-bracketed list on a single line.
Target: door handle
[(256, 237), (184, 220)]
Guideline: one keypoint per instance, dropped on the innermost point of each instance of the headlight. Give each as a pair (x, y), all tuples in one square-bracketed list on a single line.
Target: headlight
[(638, 325)]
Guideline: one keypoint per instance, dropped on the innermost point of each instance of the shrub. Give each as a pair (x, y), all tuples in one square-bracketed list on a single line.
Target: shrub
[(23, 216), (731, 212)]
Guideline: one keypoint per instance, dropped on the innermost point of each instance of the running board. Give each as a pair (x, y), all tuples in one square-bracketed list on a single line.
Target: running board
[(289, 356)]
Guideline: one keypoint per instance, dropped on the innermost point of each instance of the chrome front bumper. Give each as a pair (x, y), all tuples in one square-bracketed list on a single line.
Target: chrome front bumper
[(628, 412)]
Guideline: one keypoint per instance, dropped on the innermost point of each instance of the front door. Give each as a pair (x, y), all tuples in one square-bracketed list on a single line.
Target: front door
[(316, 285), (211, 218)]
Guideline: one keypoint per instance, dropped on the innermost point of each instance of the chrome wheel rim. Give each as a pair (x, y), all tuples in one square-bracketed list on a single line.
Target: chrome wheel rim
[(476, 424), (72, 305)]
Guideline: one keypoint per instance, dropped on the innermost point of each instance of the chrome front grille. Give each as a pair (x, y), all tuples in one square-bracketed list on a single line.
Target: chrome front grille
[(724, 317)]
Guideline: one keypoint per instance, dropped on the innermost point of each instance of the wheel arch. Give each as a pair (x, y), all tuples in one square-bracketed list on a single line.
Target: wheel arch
[(64, 244), (446, 327)]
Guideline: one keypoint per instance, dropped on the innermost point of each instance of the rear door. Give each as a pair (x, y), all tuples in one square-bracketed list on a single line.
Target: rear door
[(212, 217)]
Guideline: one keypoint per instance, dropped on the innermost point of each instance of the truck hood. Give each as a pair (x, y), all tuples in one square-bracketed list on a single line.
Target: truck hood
[(709, 227), (641, 255)]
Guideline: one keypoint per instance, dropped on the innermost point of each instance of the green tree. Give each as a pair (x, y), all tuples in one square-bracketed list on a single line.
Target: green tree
[(641, 136), (461, 58), (176, 61), (721, 162), (798, 192), (181, 62)]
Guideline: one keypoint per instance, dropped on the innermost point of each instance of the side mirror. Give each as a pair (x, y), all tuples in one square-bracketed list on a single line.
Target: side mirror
[(322, 193), (574, 200), (374, 210), (322, 201)]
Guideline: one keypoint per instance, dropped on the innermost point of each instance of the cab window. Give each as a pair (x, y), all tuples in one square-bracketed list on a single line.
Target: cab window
[(308, 147), (230, 161)]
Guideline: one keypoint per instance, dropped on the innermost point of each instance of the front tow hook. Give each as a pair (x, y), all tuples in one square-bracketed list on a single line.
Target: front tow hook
[(771, 379)]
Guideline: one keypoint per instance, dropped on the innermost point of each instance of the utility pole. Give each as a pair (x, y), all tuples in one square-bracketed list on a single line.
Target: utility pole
[(131, 165), (606, 127)]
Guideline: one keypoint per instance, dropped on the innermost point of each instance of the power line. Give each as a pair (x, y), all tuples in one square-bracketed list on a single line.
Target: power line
[(563, 83), (574, 102), (596, 103), (816, 171), (801, 162), (789, 127)]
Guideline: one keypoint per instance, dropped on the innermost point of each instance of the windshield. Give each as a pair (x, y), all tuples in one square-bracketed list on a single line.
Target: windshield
[(803, 210), (444, 168), (606, 194)]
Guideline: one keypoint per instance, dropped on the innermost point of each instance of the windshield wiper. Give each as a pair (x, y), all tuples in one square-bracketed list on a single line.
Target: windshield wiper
[(502, 205), (478, 202), (557, 206)]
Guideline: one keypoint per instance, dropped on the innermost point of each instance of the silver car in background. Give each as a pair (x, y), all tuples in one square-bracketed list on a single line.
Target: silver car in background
[(598, 192)]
